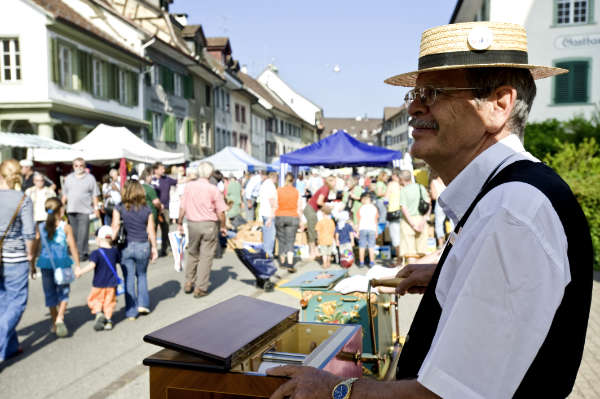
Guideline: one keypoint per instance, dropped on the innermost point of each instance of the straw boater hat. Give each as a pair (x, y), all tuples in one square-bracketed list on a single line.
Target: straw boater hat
[(473, 45)]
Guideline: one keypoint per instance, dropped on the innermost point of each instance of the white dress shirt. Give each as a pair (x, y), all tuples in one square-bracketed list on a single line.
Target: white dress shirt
[(500, 285)]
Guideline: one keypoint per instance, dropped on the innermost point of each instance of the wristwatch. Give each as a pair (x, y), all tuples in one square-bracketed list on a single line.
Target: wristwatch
[(343, 389)]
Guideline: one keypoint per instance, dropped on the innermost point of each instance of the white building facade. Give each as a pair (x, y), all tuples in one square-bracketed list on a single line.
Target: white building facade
[(561, 33)]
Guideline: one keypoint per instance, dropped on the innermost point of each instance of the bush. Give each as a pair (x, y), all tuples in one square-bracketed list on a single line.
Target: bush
[(579, 166)]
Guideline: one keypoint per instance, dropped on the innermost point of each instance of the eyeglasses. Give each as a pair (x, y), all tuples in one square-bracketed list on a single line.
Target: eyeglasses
[(428, 95)]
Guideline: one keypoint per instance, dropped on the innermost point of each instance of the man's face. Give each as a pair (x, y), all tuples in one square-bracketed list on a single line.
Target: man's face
[(38, 181), (159, 171), (79, 167), (452, 127), (26, 170)]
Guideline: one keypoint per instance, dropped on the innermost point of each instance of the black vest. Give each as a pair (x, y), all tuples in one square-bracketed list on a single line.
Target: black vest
[(554, 369)]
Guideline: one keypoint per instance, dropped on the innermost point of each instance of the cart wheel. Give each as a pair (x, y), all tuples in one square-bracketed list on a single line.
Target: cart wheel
[(269, 286)]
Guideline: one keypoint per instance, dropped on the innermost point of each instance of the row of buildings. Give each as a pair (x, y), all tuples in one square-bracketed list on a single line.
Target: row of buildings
[(68, 65)]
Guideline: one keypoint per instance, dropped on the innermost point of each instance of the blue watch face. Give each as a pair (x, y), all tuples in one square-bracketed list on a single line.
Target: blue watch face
[(340, 392)]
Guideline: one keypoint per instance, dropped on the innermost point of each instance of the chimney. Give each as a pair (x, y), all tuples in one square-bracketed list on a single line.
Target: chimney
[(181, 18), (244, 69)]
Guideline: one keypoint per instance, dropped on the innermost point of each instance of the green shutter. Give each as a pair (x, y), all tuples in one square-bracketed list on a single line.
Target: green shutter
[(580, 81), (572, 87), (55, 60), (188, 86), (85, 71), (134, 88), (75, 76), (189, 131), (106, 86), (169, 128), (170, 82)]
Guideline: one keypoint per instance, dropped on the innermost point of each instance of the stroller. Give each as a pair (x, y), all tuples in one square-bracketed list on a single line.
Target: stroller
[(259, 264)]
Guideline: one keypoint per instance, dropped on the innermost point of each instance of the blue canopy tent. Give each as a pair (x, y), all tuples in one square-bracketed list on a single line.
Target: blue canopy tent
[(337, 151)]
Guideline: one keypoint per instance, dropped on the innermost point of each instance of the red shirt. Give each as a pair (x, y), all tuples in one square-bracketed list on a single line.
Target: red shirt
[(324, 190), (202, 201)]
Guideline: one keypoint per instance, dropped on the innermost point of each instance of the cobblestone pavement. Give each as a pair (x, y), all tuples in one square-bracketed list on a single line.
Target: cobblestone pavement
[(587, 385)]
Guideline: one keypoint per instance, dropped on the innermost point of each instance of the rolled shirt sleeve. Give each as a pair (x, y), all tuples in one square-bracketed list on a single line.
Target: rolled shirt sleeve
[(27, 224), (508, 276)]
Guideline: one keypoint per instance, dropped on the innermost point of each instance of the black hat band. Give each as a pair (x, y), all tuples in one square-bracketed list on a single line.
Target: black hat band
[(473, 58)]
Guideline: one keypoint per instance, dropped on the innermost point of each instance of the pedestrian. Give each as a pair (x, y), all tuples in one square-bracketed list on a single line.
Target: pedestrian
[(234, 194), (326, 236), (394, 214), (28, 176), (514, 282), (287, 221), (56, 238), (16, 243), (152, 200), (162, 184), (139, 249), (380, 189), (111, 194), (344, 233), (316, 202), (437, 187), (413, 225), (315, 182), (267, 201), (102, 299), (352, 198), (367, 229), (203, 206), (39, 193), (80, 194), (251, 194)]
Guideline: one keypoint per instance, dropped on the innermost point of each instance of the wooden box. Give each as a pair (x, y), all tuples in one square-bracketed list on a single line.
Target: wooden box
[(222, 352)]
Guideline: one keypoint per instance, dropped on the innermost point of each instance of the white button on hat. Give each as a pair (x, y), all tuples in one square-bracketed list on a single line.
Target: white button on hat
[(480, 38)]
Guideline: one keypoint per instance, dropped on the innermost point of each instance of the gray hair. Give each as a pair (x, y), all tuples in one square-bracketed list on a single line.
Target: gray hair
[(489, 79), (205, 170), (405, 175)]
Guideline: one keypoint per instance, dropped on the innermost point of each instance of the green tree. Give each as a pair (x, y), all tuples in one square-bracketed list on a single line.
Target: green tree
[(579, 165)]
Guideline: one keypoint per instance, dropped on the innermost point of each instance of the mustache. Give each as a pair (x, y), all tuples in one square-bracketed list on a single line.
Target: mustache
[(422, 124)]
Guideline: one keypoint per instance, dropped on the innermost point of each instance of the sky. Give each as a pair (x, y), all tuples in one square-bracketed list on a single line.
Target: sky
[(368, 41)]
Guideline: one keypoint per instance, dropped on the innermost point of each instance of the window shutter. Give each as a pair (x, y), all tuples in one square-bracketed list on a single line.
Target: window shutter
[(134, 88), (188, 86), (106, 79), (170, 82), (85, 70), (149, 128), (116, 82), (55, 60), (561, 82), (580, 81), (76, 76)]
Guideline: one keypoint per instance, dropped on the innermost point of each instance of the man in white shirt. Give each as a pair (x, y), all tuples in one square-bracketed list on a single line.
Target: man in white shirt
[(267, 202), (251, 194), (505, 309)]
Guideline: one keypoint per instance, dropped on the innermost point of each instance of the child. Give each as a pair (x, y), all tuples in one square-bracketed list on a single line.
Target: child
[(344, 232), (367, 229), (325, 235), (103, 297), (55, 235)]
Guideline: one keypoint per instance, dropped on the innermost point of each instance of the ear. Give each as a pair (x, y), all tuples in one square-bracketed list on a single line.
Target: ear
[(500, 105)]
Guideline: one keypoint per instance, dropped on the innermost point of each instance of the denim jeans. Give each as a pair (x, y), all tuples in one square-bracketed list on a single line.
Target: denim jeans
[(134, 263), (13, 298), (268, 236)]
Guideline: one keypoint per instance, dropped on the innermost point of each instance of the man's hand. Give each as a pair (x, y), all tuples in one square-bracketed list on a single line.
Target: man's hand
[(223, 231), (153, 254), (97, 213), (32, 271), (269, 222), (78, 272), (416, 278), (305, 382), (180, 228)]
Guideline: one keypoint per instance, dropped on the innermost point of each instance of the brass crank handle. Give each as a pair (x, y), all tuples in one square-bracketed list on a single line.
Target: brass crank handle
[(390, 282)]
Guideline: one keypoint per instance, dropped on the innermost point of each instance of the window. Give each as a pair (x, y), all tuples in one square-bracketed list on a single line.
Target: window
[(237, 112), (10, 62), (66, 72), (179, 131), (227, 102), (572, 87), (124, 87), (156, 126), (234, 140), (571, 12), (244, 142), (243, 112), (207, 95), (178, 85), (155, 74), (98, 78)]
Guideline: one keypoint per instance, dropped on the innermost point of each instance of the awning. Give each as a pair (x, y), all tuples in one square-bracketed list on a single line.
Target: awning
[(24, 140)]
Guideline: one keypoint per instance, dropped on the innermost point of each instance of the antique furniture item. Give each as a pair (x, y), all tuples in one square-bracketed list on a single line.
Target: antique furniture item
[(223, 351)]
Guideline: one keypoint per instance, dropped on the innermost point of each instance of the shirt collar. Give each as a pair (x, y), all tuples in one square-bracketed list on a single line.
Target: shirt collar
[(461, 191)]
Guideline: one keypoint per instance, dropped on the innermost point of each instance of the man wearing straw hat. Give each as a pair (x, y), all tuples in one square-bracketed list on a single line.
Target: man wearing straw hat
[(505, 308)]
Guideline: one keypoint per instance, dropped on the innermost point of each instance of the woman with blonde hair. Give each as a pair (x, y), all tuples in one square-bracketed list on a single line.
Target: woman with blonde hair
[(139, 249), (16, 234)]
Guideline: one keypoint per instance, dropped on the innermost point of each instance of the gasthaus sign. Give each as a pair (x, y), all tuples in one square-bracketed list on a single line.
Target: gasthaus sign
[(578, 41)]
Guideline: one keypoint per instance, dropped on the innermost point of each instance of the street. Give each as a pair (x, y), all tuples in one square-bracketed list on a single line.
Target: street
[(108, 364)]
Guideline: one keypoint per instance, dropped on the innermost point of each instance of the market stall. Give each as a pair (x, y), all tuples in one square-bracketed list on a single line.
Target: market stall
[(233, 160)]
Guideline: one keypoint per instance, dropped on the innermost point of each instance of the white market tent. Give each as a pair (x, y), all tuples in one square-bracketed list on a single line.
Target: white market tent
[(31, 141), (232, 159), (109, 143)]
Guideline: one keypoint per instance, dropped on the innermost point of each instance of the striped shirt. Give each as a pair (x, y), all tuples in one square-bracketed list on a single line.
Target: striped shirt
[(13, 247)]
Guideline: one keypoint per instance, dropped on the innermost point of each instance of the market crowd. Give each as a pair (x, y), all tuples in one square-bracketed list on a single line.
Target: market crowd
[(45, 228)]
